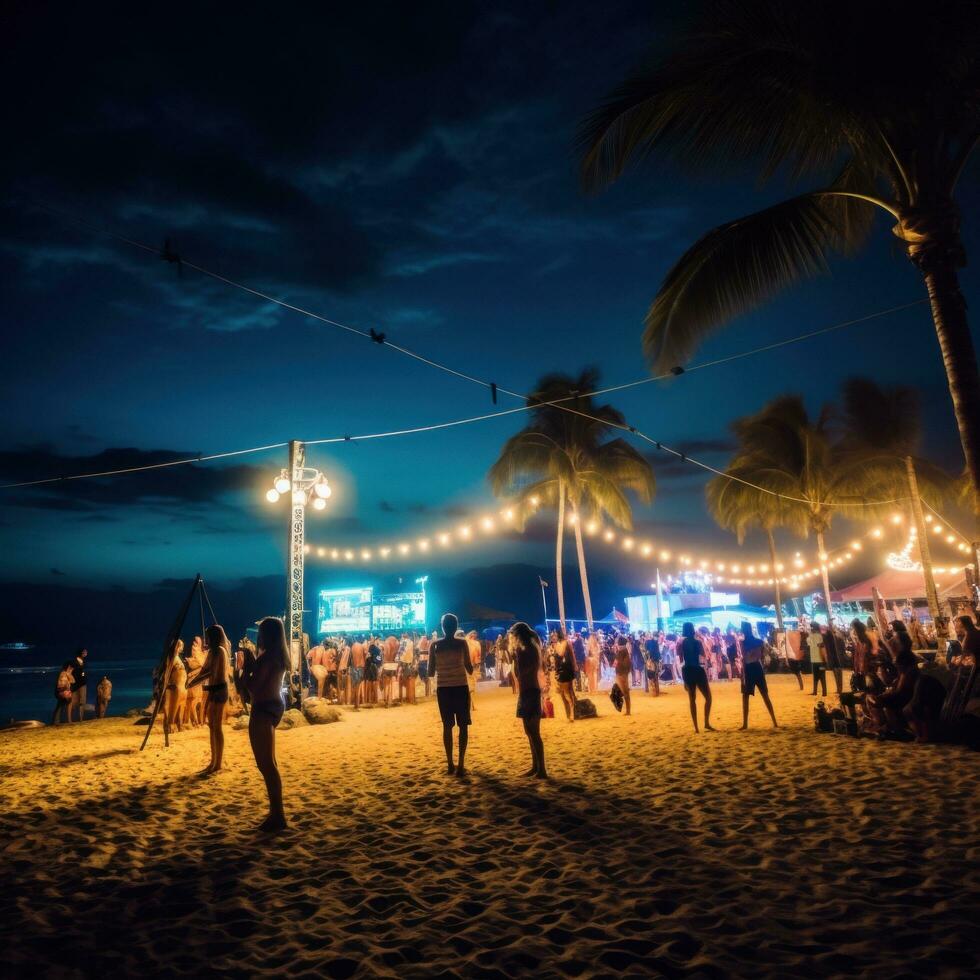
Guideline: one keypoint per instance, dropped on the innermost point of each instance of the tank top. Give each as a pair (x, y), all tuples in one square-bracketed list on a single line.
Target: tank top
[(691, 651), (450, 654)]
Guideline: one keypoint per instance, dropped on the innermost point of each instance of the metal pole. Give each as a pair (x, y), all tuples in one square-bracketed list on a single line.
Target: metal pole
[(924, 555), (544, 602), (660, 604), (294, 571)]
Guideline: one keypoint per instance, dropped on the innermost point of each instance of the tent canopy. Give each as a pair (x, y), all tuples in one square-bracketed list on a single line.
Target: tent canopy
[(894, 585)]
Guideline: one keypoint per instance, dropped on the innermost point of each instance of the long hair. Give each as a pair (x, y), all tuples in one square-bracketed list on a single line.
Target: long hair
[(861, 632), (272, 640), (219, 650), (688, 631), (525, 642)]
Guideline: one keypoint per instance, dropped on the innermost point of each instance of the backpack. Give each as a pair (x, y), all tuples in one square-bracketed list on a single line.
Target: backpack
[(616, 696), (584, 708)]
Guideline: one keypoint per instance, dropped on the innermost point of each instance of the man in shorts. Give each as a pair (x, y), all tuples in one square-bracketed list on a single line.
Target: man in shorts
[(754, 676), (451, 665), (79, 687), (355, 673)]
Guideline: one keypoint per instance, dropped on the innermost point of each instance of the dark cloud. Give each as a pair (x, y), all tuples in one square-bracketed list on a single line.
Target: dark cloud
[(190, 484)]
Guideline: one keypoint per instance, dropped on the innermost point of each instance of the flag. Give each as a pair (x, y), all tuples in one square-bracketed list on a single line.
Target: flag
[(620, 617)]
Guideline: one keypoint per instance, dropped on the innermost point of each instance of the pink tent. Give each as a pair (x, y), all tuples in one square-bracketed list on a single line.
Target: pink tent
[(898, 586)]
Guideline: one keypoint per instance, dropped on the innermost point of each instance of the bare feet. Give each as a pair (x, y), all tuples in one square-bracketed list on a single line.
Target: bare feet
[(273, 824), (461, 773), (450, 769), (541, 774), (744, 728), (531, 772), (708, 728)]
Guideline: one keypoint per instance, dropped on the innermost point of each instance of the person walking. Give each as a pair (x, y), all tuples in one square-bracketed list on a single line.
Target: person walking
[(754, 675), (695, 677), (525, 647), (451, 666), (264, 683)]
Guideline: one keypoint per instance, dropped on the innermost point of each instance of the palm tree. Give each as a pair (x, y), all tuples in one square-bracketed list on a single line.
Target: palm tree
[(882, 429), (781, 450), (880, 110), (738, 507), (562, 459)]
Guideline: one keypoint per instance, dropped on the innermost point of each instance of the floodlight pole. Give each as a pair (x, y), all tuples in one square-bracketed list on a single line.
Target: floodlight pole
[(294, 573)]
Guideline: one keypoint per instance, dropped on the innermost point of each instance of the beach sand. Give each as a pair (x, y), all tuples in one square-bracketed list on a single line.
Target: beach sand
[(651, 852)]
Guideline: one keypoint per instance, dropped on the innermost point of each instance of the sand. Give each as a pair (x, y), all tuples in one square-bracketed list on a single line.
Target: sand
[(651, 851)]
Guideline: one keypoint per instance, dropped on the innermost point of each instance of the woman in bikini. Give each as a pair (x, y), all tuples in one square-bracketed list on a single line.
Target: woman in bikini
[(175, 693), (215, 673), (525, 647), (264, 683)]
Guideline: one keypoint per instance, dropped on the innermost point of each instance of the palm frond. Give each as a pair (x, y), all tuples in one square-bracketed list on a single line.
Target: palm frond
[(738, 266)]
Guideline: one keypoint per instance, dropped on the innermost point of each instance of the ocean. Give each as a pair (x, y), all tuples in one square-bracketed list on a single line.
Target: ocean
[(27, 678)]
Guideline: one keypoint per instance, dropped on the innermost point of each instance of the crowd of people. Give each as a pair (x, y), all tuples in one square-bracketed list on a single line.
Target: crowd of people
[(889, 692)]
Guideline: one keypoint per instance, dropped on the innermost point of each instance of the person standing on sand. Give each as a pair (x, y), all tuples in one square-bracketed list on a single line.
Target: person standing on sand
[(215, 672), (103, 694), (264, 683), (389, 669), (623, 664), (565, 671), (695, 678), (175, 694), (525, 647), (817, 662), (79, 686), (450, 663), (654, 663), (62, 692), (754, 675)]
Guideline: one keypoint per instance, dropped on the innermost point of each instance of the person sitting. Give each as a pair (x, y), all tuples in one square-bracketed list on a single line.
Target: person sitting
[(889, 706)]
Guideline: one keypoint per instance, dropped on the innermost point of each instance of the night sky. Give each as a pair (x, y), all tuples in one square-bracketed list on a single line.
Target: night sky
[(408, 168)]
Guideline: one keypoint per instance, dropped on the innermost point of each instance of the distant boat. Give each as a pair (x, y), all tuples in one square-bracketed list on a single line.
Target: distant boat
[(15, 647)]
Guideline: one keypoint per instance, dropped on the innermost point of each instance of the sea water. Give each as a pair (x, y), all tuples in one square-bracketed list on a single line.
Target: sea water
[(28, 677)]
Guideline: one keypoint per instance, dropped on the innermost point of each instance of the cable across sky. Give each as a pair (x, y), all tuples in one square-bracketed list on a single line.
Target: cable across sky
[(381, 339)]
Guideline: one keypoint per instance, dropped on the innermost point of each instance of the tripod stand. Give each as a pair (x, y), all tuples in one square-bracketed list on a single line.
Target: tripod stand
[(169, 651)]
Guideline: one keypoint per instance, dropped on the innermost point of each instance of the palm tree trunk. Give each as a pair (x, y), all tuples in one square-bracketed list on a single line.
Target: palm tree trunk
[(559, 538), (581, 568), (937, 253), (775, 578), (826, 581)]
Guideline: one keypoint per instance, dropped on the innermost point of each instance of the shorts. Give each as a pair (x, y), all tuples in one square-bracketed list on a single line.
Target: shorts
[(389, 668), (423, 670), (529, 704), (652, 675), (695, 677), (755, 677), (454, 705), (356, 675), (795, 666)]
